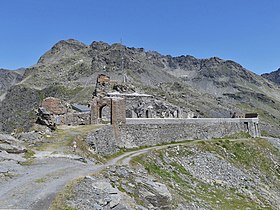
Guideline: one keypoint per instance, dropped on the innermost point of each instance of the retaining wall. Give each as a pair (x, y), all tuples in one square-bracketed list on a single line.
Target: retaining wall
[(139, 132), (103, 141)]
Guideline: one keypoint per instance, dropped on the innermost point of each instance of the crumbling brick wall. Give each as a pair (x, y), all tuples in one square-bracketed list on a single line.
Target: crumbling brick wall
[(54, 105)]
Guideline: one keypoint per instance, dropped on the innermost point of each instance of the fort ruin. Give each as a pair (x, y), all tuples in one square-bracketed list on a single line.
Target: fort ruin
[(132, 119)]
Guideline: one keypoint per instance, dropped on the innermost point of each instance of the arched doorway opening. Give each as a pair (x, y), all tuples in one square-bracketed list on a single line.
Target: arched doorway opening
[(105, 114), (147, 113)]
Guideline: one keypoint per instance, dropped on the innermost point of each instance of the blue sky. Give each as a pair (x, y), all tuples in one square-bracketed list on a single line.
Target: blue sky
[(246, 31)]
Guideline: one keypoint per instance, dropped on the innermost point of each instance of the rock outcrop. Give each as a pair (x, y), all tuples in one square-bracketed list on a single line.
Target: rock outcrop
[(273, 76), (11, 144), (123, 189), (11, 155)]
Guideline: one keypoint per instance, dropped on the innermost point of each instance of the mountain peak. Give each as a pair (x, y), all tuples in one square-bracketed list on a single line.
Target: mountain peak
[(70, 42), (61, 49)]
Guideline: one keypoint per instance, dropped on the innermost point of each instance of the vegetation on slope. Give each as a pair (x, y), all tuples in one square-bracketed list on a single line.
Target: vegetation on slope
[(254, 162)]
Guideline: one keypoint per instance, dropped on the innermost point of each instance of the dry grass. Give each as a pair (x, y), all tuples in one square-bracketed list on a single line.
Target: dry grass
[(67, 193)]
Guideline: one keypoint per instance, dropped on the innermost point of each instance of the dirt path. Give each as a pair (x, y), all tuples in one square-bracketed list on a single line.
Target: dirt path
[(39, 181), (37, 185)]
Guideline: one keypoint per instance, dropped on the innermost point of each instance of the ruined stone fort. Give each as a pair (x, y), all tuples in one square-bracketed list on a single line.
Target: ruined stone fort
[(132, 119)]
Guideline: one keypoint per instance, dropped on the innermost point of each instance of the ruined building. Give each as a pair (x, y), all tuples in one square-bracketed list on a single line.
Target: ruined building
[(54, 111), (132, 119), (109, 105)]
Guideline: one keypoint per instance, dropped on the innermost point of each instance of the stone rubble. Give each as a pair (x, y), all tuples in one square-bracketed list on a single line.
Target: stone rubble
[(116, 190), (11, 156)]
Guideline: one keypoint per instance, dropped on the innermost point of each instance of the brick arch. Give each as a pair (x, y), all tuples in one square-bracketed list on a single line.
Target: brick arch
[(116, 106), (97, 106), (105, 112)]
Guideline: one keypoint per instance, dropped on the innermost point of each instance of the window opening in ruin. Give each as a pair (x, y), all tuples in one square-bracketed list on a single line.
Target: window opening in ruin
[(147, 113), (105, 113), (256, 129), (128, 113), (246, 127)]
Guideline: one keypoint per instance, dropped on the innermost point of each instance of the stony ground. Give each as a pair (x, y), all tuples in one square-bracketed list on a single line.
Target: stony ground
[(217, 174), (37, 184), (221, 174), (34, 185)]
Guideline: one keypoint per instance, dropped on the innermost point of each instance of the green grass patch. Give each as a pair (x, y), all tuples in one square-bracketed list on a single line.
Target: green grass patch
[(181, 169), (266, 133), (29, 154), (155, 169), (40, 180), (27, 163), (124, 150), (63, 137), (238, 135), (222, 198)]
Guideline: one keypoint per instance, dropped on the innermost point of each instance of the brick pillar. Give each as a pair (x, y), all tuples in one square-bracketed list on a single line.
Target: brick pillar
[(94, 112), (118, 111), (118, 118)]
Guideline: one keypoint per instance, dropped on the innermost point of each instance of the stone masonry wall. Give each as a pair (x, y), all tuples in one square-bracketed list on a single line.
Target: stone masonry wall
[(77, 118), (102, 141), (140, 132)]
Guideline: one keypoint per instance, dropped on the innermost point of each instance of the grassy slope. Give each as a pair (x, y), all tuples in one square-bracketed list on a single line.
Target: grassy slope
[(253, 156)]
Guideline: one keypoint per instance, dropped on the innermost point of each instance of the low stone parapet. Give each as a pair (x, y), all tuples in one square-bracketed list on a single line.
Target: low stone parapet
[(131, 121)]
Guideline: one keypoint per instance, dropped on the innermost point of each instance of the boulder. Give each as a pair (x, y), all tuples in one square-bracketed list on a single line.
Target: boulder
[(30, 137), (5, 156), (12, 148), (7, 139), (155, 193)]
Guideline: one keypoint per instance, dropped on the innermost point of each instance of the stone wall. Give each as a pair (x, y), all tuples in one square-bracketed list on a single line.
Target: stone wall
[(77, 118), (140, 132), (102, 141)]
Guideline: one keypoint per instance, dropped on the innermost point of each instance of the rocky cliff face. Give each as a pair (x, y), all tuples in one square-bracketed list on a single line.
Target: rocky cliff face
[(208, 87), (273, 76)]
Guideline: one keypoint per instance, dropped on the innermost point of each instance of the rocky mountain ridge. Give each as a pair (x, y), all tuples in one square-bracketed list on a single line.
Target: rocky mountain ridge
[(209, 87), (273, 76)]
